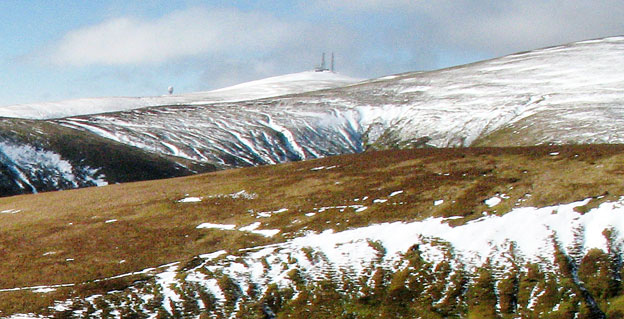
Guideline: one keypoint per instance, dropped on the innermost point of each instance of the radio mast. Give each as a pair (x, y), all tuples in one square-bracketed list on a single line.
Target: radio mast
[(323, 67)]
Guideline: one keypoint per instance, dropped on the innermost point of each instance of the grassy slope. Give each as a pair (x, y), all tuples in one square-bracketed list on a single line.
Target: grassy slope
[(152, 228), (536, 129)]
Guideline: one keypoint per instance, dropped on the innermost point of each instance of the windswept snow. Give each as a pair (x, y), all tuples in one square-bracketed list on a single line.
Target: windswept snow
[(572, 93)]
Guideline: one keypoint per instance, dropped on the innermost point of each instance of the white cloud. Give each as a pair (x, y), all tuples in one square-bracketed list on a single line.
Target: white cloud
[(368, 4), (191, 32), (510, 26), (497, 27)]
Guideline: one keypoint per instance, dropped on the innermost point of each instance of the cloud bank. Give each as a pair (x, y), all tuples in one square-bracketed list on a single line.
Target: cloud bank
[(203, 47), (498, 27), (185, 33)]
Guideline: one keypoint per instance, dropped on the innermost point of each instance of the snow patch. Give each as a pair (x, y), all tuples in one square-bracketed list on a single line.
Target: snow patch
[(214, 255), (491, 202), (44, 290), (270, 213), (216, 226), (395, 193), (323, 168), (190, 200), (253, 228), (10, 211), (241, 194)]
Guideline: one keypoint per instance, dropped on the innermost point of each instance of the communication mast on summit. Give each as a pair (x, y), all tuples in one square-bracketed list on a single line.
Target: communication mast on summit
[(323, 66)]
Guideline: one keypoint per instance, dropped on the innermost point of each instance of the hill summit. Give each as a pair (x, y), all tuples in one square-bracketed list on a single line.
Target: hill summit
[(559, 95)]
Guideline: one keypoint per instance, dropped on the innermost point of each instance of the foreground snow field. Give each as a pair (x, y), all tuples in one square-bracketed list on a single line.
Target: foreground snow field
[(502, 242)]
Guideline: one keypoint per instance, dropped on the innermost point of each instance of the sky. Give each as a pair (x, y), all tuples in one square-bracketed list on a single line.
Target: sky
[(62, 49)]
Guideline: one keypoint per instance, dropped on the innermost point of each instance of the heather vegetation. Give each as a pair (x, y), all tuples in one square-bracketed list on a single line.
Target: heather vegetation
[(412, 287), (95, 247)]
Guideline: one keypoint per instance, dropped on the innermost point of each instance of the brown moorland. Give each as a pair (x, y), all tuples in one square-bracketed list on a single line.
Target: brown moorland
[(79, 237)]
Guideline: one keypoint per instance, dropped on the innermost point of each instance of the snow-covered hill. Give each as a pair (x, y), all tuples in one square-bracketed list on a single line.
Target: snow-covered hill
[(37, 155), (569, 93), (269, 87)]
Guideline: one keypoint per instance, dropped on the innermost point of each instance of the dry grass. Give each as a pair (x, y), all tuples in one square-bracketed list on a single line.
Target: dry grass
[(63, 237)]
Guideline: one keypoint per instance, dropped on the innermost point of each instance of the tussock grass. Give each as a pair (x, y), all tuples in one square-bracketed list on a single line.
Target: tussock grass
[(82, 235)]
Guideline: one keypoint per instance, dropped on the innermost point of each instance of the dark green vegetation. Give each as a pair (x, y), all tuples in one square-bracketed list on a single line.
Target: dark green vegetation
[(76, 237)]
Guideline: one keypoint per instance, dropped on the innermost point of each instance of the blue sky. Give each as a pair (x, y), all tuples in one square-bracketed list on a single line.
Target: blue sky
[(55, 50)]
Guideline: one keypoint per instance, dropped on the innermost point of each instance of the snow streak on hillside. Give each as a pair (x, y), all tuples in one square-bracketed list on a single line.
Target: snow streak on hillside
[(499, 242), (570, 93), (244, 134), (269, 87), (531, 232)]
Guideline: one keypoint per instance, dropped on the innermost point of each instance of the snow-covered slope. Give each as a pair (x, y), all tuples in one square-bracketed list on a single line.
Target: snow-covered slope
[(269, 87), (569, 93), (41, 156), (27, 169), (494, 241), (350, 259)]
